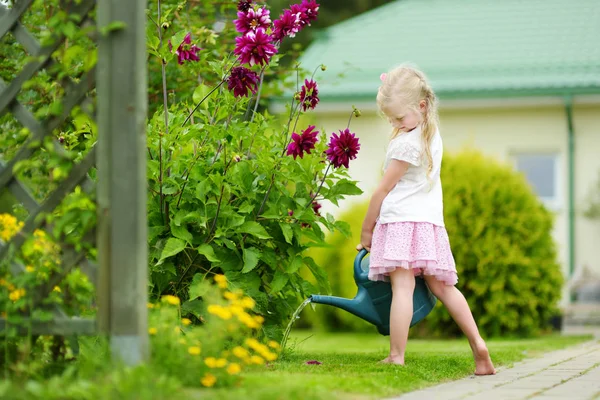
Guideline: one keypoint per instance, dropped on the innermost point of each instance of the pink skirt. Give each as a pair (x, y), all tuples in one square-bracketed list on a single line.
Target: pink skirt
[(420, 246)]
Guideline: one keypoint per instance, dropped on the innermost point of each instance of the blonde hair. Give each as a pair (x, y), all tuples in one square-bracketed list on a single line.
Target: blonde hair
[(406, 86)]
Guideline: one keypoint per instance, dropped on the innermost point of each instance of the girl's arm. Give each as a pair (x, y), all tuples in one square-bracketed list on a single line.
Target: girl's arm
[(393, 173)]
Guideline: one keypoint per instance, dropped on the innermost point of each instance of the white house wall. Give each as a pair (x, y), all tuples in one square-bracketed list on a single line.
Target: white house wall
[(499, 132)]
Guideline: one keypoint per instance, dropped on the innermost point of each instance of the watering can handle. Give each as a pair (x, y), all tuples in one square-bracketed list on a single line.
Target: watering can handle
[(358, 272)]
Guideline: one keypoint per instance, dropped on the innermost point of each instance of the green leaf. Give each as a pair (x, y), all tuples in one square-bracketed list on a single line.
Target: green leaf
[(251, 256), (113, 26), (279, 281), (207, 251), (255, 229), (287, 232), (319, 273), (182, 233), (294, 265), (174, 246), (199, 286)]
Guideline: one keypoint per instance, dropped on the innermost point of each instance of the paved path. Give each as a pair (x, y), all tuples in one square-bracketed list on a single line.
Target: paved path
[(572, 374)]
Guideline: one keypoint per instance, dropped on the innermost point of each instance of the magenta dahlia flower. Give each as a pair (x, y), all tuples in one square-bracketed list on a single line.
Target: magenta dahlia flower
[(309, 95), (244, 5), (187, 51), (308, 9), (253, 20), (255, 47), (241, 80), (303, 143), (288, 24), (316, 207), (342, 148)]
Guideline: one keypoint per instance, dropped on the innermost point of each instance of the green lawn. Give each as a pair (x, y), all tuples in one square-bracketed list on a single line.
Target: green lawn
[(349, 368)]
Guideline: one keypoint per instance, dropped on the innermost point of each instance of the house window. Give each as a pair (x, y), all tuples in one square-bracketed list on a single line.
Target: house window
[(541, 171)]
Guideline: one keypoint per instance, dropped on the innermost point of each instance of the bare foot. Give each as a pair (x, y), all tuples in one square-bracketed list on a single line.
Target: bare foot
[(393, 360), (483, 362)]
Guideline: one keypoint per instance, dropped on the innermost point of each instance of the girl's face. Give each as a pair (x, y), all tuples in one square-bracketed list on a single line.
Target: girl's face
[(406, 119)]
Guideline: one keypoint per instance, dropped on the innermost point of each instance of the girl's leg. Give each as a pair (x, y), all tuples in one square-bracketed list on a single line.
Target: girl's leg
[(403, 286), (459, 309)]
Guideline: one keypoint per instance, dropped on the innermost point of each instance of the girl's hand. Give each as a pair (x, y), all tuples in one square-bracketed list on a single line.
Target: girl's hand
[(365, 240)]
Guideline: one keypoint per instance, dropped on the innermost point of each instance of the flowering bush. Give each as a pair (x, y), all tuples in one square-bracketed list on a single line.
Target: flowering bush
[(217, 352), (234, 190)]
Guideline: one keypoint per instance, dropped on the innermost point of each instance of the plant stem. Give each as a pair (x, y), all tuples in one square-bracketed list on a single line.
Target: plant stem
[(166, 112), (320, 187)]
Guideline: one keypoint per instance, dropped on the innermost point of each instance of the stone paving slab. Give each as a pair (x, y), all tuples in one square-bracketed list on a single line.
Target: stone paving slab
[(572, 373)]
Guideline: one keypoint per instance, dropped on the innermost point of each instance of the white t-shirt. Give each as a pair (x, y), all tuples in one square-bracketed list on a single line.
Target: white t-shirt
[(415, 198)]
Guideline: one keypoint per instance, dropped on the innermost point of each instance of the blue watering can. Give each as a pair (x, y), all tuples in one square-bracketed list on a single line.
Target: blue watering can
[(374, 299)]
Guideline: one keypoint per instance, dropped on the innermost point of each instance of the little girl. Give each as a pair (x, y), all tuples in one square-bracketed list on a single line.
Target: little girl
[(404, 226)]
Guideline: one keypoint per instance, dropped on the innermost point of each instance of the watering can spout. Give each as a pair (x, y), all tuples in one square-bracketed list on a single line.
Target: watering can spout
[(361, 305)]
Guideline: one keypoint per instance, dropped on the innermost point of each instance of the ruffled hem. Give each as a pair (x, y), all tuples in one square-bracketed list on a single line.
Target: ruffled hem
[(419, 267), (420, 246)]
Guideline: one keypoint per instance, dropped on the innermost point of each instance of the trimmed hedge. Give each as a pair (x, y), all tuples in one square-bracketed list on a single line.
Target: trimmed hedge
[(501, 239)]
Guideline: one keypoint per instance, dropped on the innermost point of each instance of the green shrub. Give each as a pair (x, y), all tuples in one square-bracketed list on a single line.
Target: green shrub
[(501, 239)]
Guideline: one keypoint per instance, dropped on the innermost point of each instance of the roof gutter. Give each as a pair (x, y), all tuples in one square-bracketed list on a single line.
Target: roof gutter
[(571, 181)]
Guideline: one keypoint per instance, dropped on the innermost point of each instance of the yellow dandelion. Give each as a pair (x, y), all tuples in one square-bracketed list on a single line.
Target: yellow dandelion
[(257, 360), (29, 268), (210, 362), (16, 294), (230, 296), (273, 344), (240, 352), (173, 300), (234, 369), (186, 321), (221, 362), (248, 302), (153, 331), (208, 380), (252, 343), (194, 350), (236, 310), (269, 356)]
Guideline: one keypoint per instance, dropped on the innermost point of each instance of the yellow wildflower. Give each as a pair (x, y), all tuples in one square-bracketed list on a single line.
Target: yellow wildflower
[(257, 360), (259, 319), (153, 331), (248, 302), (57, 289), (29, 268), (219, 311), (16, 294), (39, 234), (221, 281), (269, 356), (9, 226), (230, 296), (208, 380), (234, 369), (236, 310), (210, 362), (240, 352), (2, 282), (186, 321), (194, 350), (247, 320), (221, 362), (150, 305), (173, 300), (273, 344), (252, 343)]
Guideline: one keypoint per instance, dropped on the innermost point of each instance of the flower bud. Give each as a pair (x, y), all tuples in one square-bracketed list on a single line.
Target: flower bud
[(323, 67), (357, 112), (165, 25)]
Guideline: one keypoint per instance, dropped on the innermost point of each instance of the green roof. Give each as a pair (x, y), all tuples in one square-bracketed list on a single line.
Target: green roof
[(468, 48)]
